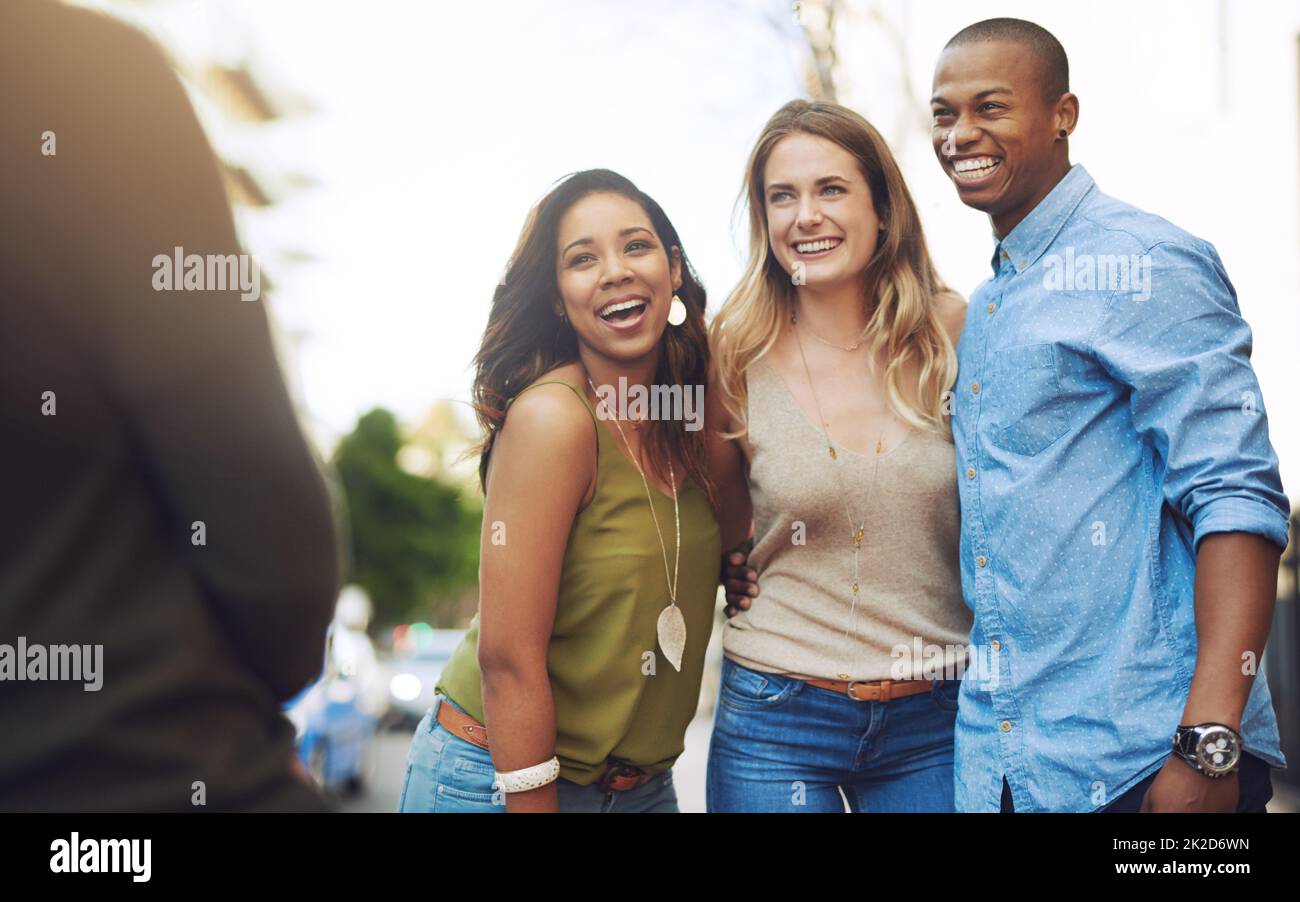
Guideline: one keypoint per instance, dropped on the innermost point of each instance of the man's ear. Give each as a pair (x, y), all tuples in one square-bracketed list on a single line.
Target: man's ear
[(676, 266), (1067, 112)]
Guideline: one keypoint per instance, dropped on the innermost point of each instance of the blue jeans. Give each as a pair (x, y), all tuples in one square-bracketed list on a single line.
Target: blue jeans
[(444, 773), (780, 744)]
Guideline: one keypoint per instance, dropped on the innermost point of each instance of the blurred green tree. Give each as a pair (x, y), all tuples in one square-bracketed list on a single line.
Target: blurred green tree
[(414, 540)]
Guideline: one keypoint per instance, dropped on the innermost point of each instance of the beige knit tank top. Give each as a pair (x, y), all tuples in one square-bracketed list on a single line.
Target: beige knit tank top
[(909, 610)]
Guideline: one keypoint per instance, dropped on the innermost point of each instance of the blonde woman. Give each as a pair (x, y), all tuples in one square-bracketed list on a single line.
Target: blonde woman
[(835, 355)]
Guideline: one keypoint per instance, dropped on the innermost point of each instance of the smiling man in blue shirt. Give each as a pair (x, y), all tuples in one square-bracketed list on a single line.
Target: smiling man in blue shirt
[(1122, 512)]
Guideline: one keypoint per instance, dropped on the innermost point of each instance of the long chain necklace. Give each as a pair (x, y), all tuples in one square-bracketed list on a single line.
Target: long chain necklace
[(857, 533), (830, 344), (671, 626)]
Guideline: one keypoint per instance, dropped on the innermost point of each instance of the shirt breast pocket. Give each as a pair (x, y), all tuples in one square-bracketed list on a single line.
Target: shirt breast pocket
[(1024, 402)]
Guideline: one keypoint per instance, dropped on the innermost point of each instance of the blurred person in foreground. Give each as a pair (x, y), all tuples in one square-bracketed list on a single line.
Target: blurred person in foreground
[(162, 513)]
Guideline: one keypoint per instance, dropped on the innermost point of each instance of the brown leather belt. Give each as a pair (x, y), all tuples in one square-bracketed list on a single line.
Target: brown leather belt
[(462, 725), (618, 776), (872, 691)]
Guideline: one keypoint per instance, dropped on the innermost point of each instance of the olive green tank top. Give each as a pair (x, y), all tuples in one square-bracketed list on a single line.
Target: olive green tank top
[(615, 694)]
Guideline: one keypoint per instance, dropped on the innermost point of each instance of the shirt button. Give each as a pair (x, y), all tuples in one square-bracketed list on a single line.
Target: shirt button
[(975, 388), (981, 560), (997, 646), (1005, 726), (992, 307), (970, 472)]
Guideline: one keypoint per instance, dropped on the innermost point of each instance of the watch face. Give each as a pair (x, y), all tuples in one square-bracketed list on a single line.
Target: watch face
[(1217, 750)]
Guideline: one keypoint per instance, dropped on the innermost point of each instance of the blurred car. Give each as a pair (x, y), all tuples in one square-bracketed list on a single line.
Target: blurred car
[(412, 670), (335, 735), (336, 717)]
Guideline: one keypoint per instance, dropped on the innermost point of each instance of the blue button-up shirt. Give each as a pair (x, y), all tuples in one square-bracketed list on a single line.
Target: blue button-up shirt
[(1106, 419)]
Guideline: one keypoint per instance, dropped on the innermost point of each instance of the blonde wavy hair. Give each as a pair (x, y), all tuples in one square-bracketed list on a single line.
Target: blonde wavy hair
[(904, 320)]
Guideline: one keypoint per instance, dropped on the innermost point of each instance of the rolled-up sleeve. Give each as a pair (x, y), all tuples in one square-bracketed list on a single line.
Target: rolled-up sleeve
[(1184, 353)]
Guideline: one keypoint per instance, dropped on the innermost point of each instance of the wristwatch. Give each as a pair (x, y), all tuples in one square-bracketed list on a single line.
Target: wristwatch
[(1210, 748)]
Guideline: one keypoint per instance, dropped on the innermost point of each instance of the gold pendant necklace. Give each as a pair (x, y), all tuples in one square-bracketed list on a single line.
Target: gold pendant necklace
[(671, 626), (855, 534)]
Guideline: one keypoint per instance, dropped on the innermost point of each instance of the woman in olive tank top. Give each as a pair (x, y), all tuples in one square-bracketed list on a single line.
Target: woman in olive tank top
[(600, 550)]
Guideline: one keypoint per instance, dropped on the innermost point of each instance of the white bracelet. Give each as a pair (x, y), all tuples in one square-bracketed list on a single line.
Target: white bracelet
[(529, 777)]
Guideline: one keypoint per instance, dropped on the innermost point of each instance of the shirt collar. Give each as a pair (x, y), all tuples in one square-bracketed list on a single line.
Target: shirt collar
[(1034, 234)]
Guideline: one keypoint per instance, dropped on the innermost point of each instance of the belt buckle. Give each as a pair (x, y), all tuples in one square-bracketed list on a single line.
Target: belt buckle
[(884, 686), (616, 769)]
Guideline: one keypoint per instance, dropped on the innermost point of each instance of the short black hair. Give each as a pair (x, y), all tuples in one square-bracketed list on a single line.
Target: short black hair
[(1052, 63)]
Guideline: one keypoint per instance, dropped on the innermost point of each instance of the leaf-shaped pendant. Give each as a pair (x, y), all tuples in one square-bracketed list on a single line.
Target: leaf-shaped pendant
[(672, 635)]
